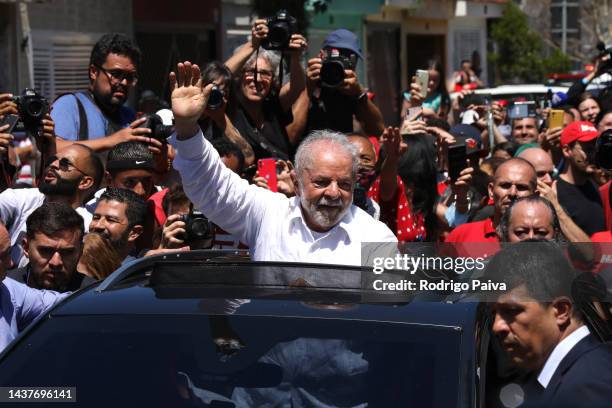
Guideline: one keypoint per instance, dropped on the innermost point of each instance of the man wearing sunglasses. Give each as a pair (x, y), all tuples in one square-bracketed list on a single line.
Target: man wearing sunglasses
[(97, 117), (71, 177)]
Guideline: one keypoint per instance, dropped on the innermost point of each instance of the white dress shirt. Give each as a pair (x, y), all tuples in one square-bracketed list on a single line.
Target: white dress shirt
[(271, 224), (559, 353)]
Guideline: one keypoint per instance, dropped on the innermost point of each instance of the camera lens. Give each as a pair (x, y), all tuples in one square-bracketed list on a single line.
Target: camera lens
[(603, 150), (278, 36), (215, 99), (199, 229), (35, 108), (332, 74)]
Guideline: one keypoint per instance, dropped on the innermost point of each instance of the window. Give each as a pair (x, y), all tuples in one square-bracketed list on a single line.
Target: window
[(61, 62), (564, 22)]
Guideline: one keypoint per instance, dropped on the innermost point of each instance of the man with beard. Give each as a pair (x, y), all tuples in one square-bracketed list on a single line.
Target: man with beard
[(53, 245), (319, 224), (98, 117), (578, 194), (120, 217), (72, 176)]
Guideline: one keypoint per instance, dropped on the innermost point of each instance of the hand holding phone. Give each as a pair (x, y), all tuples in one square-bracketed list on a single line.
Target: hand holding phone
[(555, 118), (267, 170), (457, 160), (422, 79)]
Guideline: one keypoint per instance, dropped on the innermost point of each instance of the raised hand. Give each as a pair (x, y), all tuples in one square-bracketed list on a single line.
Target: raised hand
[(392, 143), (189, 98)]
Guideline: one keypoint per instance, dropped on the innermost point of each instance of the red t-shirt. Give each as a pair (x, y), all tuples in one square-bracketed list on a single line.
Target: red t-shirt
[(604, 236), (157, 200), (475, 239)]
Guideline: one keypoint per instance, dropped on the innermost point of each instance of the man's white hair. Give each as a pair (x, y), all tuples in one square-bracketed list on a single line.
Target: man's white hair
[(304, 155)]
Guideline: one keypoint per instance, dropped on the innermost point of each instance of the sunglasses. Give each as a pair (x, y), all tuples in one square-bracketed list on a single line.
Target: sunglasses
[(65, 164)]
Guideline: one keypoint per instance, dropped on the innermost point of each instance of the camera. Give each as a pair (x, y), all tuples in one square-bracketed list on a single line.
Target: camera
[(280, 29), (32, 108), (159, 131), (198, 230), (606, 66), (215, 99), (332, 69), (603, 150)]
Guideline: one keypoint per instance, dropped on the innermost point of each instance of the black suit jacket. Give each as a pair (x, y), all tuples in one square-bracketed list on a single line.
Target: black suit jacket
[(583, 378)]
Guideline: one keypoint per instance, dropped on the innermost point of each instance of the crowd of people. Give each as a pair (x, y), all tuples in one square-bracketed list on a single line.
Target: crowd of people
[(293, 167)]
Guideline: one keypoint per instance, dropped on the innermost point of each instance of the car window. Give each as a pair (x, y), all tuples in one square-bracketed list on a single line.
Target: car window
[(240, 361)]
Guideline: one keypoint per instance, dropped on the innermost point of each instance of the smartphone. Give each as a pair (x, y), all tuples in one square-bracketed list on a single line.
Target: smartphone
[(267, 170), (422, 78), (474, 99), (457, 157), (520, 110), (414, 113), (555, 118), (10, 120)]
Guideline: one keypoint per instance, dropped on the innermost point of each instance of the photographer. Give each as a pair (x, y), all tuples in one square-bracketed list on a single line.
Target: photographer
[(97, 117), (215, 123), (27, 155), (597, 80), (336, 97), (263, 109)]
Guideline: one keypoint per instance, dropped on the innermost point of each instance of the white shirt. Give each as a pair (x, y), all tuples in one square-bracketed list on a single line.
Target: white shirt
[(559, 353), (271, 224), (16, 205)]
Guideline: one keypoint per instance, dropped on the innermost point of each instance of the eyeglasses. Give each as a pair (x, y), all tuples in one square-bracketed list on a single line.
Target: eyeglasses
[(65, 164), (117, 76), (263, 73)]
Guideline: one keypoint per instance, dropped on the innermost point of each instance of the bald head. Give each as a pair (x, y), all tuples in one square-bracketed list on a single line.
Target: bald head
[(513, 179), (542, 163)]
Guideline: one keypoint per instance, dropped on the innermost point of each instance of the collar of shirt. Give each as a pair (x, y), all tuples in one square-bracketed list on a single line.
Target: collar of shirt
[(488, 228), (559, 353), (296, 216)]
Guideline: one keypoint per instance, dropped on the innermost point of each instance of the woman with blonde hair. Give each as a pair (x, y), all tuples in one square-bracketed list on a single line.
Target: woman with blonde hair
[(99, 258)]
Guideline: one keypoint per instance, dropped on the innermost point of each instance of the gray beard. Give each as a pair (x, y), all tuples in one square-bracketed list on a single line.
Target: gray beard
[(323, 218)]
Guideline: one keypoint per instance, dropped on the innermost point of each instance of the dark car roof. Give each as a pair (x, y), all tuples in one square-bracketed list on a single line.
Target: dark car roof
[(139, 292)]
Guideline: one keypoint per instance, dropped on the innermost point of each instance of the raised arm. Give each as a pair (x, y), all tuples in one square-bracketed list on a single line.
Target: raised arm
[(259, 31), (225, 198)]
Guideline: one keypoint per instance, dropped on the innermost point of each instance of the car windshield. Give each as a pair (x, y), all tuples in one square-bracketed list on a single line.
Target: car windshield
[(241, 361)]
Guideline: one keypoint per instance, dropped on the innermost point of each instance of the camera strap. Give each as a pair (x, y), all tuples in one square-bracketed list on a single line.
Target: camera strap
[(83, 125)]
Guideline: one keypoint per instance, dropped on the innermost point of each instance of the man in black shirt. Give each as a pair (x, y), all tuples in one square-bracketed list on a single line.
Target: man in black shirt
[(333, 103), (577, 193)]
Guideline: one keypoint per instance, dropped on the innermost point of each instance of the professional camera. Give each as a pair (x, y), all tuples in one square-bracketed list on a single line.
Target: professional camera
[(32, 108), (215, 99), (159, 131), (332, 69), (606, 66), (198, 230), (603, 150), (280, 29)]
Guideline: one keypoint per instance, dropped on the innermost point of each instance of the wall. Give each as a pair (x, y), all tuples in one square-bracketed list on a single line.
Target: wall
[(82, 15)]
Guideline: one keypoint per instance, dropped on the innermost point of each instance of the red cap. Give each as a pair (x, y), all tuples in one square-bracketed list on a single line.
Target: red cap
[(578, 131)]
